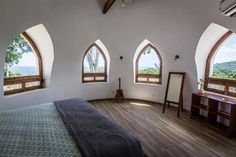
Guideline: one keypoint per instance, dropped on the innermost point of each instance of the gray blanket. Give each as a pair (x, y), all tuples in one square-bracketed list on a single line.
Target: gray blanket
[(35, 132), (96, 135)]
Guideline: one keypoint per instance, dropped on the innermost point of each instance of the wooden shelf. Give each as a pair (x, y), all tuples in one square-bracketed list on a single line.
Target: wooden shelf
[(213, 112), (219, 127), (221, 114), (198, 117), (220, 98), (200, 106)]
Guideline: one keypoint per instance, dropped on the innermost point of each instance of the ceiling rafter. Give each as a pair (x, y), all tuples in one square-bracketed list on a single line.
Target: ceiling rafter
[(108, 5)]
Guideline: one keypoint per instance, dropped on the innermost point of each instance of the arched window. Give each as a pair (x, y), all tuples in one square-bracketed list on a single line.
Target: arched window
[(23, 66), (148, 66), (220, 73), (94, 65)]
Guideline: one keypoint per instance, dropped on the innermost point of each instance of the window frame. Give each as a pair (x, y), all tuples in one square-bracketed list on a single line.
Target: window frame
[(94, 75), (217, 81), (148, 76), (23, 80)]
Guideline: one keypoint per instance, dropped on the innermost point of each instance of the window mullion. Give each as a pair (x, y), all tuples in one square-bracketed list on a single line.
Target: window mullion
[(226, 88)]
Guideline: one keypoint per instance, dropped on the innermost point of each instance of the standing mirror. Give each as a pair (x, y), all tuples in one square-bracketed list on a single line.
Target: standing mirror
[(174, 90)]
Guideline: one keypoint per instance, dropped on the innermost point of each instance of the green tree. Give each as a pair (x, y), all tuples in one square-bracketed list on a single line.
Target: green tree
[(92, 58), (226, 70), (14, 53), (150, 71)]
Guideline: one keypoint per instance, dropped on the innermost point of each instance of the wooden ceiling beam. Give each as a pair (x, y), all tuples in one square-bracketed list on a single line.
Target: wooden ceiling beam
[(108, 5)]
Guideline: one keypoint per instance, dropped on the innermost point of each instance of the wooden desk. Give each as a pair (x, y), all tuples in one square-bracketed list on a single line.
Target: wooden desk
[(213, 112)]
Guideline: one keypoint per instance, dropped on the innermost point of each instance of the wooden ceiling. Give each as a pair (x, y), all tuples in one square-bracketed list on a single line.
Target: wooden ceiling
[(107, 5)]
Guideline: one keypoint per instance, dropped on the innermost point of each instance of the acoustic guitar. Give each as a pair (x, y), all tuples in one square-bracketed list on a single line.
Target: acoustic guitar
[(119, 93)]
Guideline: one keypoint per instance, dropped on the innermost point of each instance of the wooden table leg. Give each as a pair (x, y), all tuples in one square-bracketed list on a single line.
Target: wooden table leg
[(164, 107)]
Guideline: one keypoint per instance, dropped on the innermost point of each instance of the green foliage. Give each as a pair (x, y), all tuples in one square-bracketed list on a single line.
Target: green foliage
[(147, 51), (100, 70), (14, 74), (16, 49), (14, 53), (225, 70), (11, 74), (149, 71)]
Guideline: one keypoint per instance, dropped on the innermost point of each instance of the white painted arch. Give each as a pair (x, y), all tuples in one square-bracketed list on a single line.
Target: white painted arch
[(43, 41), (207, 41), (107, 55)]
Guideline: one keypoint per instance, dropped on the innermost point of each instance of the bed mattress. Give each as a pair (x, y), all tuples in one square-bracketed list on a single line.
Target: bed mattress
[(35, 131), (67, 128)]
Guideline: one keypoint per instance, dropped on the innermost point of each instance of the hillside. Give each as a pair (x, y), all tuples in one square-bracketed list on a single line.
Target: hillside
[(225, 70)]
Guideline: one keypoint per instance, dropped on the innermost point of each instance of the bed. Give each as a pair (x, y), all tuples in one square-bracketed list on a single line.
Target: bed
[(70, 128)]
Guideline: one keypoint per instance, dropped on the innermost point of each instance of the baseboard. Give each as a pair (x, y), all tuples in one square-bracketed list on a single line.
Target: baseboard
[(133, 99), (103, 99), (128, 99)]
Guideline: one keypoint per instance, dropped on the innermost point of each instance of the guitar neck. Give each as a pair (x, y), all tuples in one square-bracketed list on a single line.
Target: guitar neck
[(119, 83)]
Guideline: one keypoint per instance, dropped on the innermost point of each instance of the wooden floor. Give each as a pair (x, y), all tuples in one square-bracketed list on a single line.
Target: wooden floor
[(164, 135)]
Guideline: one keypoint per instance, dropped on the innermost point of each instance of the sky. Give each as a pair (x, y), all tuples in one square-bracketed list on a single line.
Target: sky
[(145, 61), (28, 59), (227, 51), (149, 60)]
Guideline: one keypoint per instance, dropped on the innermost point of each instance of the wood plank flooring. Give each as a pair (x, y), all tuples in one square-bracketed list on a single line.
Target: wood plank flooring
[(164, 135)]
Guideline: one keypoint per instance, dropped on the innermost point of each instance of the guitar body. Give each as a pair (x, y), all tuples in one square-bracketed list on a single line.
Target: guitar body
[(119, 94)]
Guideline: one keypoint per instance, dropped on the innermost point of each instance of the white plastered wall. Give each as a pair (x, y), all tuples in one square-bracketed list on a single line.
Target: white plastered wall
[(174, 27)]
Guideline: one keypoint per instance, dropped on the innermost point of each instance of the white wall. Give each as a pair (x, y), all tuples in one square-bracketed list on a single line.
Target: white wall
[(174, 27)]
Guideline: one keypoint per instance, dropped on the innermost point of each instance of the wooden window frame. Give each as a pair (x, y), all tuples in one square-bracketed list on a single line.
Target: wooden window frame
[(148, 76), (23, 80), (216, 81), (94, 75)]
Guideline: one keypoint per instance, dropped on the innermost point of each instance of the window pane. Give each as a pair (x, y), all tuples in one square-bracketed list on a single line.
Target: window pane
[(100, 78), (232, 89), (88, 78), (149, 62), (154, 79), (32, 84), (216, 86), (20, 59), (224, 61), (94, 61), (12, 87), (142, 79)]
